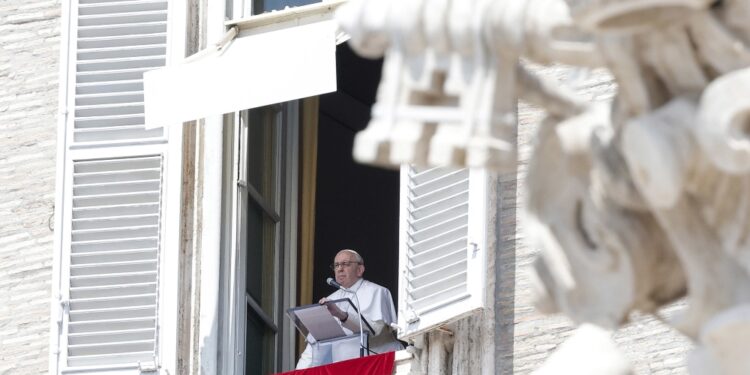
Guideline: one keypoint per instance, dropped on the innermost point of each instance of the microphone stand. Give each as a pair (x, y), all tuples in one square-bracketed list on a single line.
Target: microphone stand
[(361, 333), (359, 315), (362, 347)]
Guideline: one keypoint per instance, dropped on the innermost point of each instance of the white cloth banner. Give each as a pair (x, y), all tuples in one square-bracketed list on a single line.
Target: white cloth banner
[(253, 71)]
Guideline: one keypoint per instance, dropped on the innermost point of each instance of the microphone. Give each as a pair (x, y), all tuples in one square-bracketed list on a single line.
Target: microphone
[(330, 281)]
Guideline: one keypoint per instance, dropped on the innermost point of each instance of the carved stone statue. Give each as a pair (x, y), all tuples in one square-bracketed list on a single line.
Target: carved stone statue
[(635, 202)]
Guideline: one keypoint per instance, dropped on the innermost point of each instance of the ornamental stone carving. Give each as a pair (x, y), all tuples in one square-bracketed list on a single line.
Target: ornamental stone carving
[(635, 202)]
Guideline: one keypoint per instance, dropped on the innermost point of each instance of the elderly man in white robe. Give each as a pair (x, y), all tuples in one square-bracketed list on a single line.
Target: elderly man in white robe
[(376, 306)]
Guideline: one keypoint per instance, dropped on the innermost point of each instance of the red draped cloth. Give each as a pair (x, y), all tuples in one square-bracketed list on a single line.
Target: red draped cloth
[(379, 364)]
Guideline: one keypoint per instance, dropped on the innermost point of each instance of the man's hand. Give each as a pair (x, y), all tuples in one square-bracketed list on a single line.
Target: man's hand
[(334, 310)]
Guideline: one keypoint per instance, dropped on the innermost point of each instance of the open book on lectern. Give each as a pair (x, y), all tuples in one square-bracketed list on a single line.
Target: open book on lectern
[(315, 320)]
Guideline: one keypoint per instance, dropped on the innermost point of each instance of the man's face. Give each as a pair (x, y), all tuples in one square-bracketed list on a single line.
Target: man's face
[(348, 271)]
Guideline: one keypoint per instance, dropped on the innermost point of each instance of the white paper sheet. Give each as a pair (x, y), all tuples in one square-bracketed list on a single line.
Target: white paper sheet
[(320, 323)]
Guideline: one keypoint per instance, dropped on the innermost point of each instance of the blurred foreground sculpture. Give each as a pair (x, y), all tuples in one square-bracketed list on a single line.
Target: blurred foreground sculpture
[(635, 202)]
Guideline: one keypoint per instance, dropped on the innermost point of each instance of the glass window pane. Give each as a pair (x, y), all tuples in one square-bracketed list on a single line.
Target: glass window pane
[(258, 346), (263, 145), (261, 257), (262, 6)]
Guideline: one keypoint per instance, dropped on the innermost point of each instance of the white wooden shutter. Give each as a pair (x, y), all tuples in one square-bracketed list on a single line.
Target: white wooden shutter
[(111, 190), (113, 261), (442, 246), (114, 43)]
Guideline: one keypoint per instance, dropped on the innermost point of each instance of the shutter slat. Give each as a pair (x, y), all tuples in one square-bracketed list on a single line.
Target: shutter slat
[(108, 188), (112, 324), (145, 173), (115, 221), (110, 81), (121, 7), (103, 200), (438, 217), (431, 208), (134, 59), (115, 210), (111, 348), (94, 2), (436, 179), (423, 176), (427, 274), (109, 109), (435, 254), (102, 83), (117, 165), (111, 302), (111, 359), (442, 192), (114, 279), (109, 122), (102, 98), (116, 314), (433, 293), (433, 242), (137, 18), (120, 64), (99, 291), (113, 256), (107, 234), (122, 41), (454, 295), (441, 227), (99, 32), (95, 176), (131, 133), (113, 268), (103, 337), (141, 50), (117, 244), (109, 98)]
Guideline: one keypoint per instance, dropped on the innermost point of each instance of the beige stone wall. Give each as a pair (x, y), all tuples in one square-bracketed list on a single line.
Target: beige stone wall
[(653, 347), (29, 50)]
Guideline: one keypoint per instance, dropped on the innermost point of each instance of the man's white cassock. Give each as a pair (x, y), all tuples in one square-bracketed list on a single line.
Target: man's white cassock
[(377, 307)]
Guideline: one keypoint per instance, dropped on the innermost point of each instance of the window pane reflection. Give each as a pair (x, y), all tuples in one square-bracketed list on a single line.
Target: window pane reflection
[(261, 257), (258, 346), (262, 6), (263, 145)]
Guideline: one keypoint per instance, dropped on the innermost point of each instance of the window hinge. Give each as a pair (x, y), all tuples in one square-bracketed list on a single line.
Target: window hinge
[(412, 317), (64, 308), (147, 367), (242, 183)]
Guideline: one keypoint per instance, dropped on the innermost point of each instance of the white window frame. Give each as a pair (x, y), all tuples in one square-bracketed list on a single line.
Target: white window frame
[(233, 306)]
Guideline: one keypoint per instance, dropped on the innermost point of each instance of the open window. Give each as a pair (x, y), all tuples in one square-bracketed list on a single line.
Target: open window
[(300, 198), (413, 226)]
